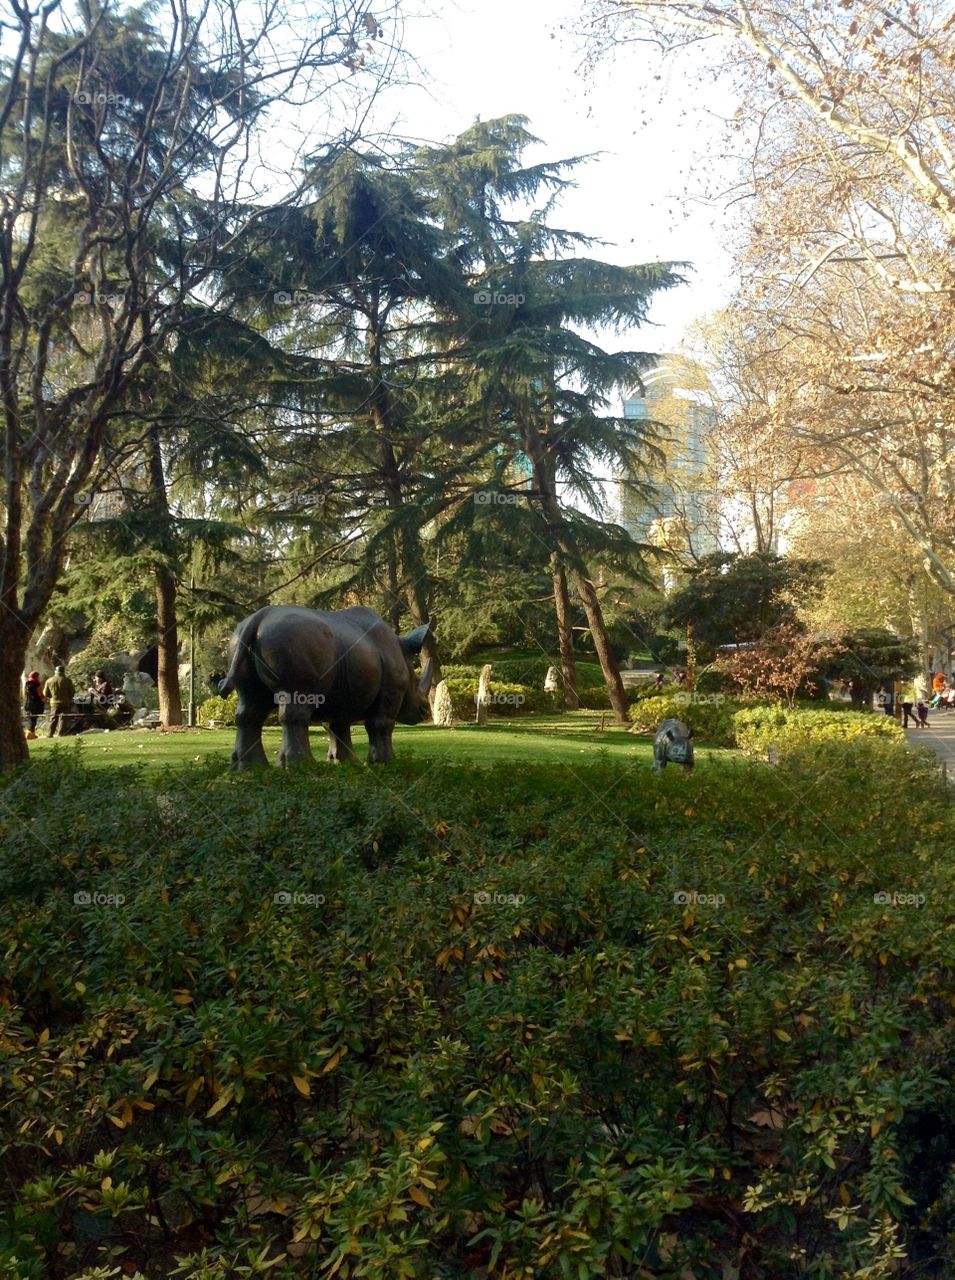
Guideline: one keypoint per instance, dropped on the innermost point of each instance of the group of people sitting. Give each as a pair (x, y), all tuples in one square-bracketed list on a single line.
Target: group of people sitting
[(59, 693)]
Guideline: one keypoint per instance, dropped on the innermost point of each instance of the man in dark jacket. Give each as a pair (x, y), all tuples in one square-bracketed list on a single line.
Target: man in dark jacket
[(59, 691)]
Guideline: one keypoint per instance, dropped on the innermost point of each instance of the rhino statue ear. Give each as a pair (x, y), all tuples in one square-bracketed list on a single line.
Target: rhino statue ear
[(412, 642), (424, 684)]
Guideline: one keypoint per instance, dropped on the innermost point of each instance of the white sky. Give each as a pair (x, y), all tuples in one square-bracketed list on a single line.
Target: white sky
[(486, 58)]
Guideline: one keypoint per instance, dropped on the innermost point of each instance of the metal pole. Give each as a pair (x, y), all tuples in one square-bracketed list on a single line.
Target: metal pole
[(192, 662), (192, 676)]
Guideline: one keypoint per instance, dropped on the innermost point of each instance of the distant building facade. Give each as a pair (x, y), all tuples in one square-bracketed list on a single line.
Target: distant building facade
[(681, 512)]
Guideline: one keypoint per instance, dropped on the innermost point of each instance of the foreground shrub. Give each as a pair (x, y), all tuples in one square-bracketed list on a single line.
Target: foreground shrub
[(434, 1022)]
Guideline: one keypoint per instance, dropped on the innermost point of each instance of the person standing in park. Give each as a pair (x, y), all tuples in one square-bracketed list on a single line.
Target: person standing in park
[(908, 706), (60, 690), (33, 701), (922, 711)]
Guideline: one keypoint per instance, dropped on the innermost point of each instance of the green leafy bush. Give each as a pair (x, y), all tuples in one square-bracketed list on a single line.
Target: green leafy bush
[(752, 726), (533, 671), (459, 671), (506, 699), (757, 728), (488, 1030), (218, 709), (710, 715)]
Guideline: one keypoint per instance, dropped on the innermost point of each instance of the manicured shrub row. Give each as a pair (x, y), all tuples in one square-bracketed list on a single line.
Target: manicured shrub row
[(506, 699), (710, 715), (434, 1022), (759, 727), (755, 727)]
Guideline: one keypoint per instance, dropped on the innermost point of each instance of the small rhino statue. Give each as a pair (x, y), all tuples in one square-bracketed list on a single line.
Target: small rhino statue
[(672, 745)]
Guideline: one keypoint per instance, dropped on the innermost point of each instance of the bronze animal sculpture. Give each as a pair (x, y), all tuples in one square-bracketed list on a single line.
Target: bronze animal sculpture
[(338, 668), (672, 745)]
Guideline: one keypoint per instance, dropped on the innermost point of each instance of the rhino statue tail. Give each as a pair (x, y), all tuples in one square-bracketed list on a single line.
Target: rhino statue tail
[(243, 639)]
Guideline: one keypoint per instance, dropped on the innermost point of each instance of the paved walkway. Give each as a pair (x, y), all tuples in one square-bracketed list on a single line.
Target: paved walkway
[(940, 736)]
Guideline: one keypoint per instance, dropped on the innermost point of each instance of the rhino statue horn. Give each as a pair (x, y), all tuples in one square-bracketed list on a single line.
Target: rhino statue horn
[(414, 641)]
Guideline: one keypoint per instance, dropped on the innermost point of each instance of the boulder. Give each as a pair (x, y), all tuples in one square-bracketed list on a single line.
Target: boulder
[(442, 712)]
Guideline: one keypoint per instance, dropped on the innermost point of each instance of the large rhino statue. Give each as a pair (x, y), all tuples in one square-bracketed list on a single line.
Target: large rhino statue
[(334, 667)]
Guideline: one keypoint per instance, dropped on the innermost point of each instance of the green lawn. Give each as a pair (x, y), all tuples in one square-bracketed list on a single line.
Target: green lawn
[(575, 737)]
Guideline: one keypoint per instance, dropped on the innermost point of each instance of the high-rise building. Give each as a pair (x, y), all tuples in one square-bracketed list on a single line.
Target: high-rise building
[(681, 511)]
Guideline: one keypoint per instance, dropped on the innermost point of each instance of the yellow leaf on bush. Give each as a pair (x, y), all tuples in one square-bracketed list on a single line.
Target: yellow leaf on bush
[(302, 1086), (419, 1197), (334, 1060), (221, 1102), (780, 1034), (182, 997)]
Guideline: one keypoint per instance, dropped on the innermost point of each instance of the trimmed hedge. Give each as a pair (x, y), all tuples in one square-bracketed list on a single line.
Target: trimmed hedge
[(222, 710), (506, 699), (710, 715), (760, 727), (492, 1030), (755, 727)]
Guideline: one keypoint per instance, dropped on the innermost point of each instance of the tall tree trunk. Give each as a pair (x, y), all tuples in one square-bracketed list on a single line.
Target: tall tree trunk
[(13, 651), (598, 630), (167, 626), (410, 571), (562, 539), (920, 625), (565, 635), (167, 678), (392, 588)]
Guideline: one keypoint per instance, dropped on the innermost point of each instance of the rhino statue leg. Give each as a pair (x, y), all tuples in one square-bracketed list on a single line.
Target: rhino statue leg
[(379, 730), (339, 742), (248, 752), (295, 749)]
